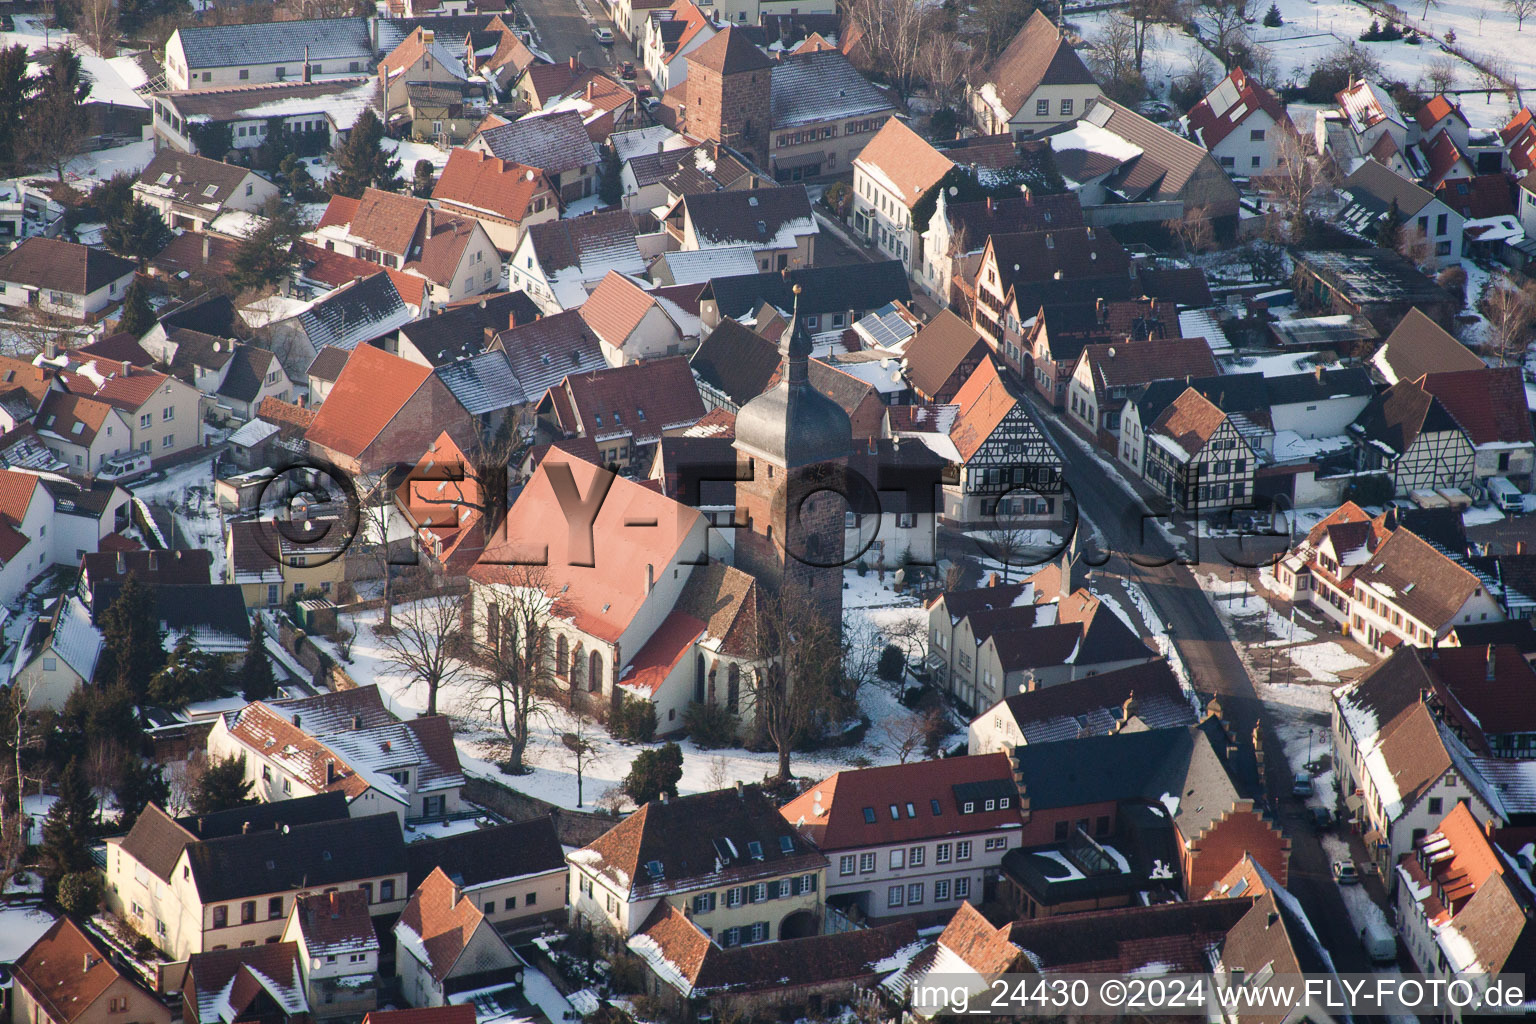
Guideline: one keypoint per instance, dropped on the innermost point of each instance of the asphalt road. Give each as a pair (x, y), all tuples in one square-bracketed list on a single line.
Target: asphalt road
[(1214, 668), (564, 31)]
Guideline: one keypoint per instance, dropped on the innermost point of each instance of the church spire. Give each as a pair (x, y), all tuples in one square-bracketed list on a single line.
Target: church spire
[(796, 348)]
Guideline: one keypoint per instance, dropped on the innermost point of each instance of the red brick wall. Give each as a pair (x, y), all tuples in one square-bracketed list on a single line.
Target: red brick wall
[(1040, 829), (765, 501), (1223, 845), (428, 413), (731, 109)]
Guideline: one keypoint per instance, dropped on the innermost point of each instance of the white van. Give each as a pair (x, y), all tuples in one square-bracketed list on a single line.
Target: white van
[(1380, 943), (1505, 495)]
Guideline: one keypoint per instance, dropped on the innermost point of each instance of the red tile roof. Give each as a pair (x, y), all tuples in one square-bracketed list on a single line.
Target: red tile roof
[(1486, 195), (1212, 125), (1489, 404), (1444, 157), (368, 395), (460, 1013), (339, 212), (615, 308), (65, 971), (387, 220), (902, 158), (1189, 421), (1435, 110), (602, 597), (983, 947), (16, 490), (128, 387), (487, 183), (329, 267), (668, 646), (443, 921), (1461, 861), (834, 812), (983, 401)]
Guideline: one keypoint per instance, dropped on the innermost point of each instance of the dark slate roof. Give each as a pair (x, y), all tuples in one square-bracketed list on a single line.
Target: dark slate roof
[(487, 854), (544, 352), (328, 363), (553, 143), (1442, 527), (304, 810), (1397, 416), (327, 39), (1094, 705), (1231, 393), (821, 86), (458, 332), (348, 311), (190, 607), (248, 369), (304, 856), (63, 266), (1184, 286), (736, 361), (748, 216), (449, 28), (860, 286), (1346, 382)]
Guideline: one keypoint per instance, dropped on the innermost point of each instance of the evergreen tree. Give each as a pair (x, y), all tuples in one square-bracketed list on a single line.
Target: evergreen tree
[(55, 122), (221, 786), (138, 232), (113, 196), (654, 772), (1272, 18), (256, 680), (16, 89), (295, 177), (67, 830), (133, 648), (422, 182), (142, 783), (138, 315), (267, 255), (362, 161), (610, 186), (178, 683)]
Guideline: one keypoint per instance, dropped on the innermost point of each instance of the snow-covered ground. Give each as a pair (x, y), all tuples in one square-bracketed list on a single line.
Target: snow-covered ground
[(188, 490), (552, 774), (20, 927)]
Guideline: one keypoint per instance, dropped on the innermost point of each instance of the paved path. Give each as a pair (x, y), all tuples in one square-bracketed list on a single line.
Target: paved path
[(564, 28)]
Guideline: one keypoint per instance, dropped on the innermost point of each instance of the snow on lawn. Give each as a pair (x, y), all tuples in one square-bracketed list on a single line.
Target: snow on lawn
[(1324, 662), (197, 515), (20, 927), (410, 152), (1482, 515), (101, 164), (552, 774), (35, 806)]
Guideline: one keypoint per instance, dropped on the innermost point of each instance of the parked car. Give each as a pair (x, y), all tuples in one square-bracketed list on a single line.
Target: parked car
[(627, 70), (1379, 942), (1301, 784), (1344, 873), (1321, 817), (603, 34)]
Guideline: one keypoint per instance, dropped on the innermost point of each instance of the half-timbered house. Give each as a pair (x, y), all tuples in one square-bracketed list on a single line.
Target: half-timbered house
[(1407, 434), (1006, 465), (1197, 457)]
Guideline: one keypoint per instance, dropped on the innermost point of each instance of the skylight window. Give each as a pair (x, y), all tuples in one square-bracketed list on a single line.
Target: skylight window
[(656, 869), (164, 179), (755, 850), (937, 810), (869, 815), (78, 428), (895, 813), (210, 190), (786, 845), (911, 811)]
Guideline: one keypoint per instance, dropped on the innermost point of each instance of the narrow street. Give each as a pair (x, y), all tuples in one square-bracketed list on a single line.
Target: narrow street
[(1213, 663), (564, 29)]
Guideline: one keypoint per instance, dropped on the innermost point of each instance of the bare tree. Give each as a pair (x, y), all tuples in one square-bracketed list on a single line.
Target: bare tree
[(1491, 76), (1193, 230), (20, 731), (1440, 74), (427, 642), (1113, 60), (893, 34), (903, 736), (184, 779), (944, 64), (1145, 16), (909, 633), (96, 21), (1228, 23), (1510, 307), (1521, 9), (862, 643), (579, 749), (802, 686), (1413, 246), (513, 656), (1298, 177)]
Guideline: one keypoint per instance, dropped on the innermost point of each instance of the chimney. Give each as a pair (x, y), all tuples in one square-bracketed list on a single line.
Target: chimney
[(741, 790), (511, 319), (245, 828), (307, 73), (296, 722), (429, 222), (490, 336), (589, 88), (330, 772), (122, 564), (207, 248), (88, 962), (661, 146), (989, 204), (650, 577), (357, 721), (574, 63), (1488, 669), (1317, 372), (1488, 827), (664, 797), (1274, 918)]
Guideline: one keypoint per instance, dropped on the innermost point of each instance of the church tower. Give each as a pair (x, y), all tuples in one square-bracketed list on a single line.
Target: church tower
[(795, 442), (727, 95)]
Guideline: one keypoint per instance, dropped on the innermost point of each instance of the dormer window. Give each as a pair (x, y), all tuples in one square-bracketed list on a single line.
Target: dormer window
[(991, 805), (969, 808), (1002, 804), (656, 869)]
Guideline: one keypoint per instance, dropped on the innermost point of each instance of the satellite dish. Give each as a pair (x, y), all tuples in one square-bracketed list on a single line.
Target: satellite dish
[(1111, 352)]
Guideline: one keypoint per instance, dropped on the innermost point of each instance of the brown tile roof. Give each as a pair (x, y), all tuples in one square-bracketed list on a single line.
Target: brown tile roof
[(332, 268), (1168, 160), (975, 221), (62, 413), (1480, 701), (615, 308), (1418, 345), (1399, 415), (725, 599), (983, 401), (899, 156), (459, 1013), (156, 841), (1178, 936), (188, 178), (489, 183), (1060, 712), (1497, 923), (443, 922), (63, 266), (365, 399), (1485, 195), (194, 253), (1489, 404), (1190, 421), (939, 349), (1418, 579), (442, 247), (984, 947), (275, 410), (697, 836), (1141, 362), (65, 971), (388, 221), (1038, 55), (730, 52), (911, 802), (121, 347), (1076, 252), (36, 381), (335, 922), (237, 977), (1388, 187), (638, 399)]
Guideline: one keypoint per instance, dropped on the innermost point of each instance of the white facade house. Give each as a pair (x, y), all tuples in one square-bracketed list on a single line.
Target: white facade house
[(65, 279), (1241, 123), (209, 57), (895, 170)]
